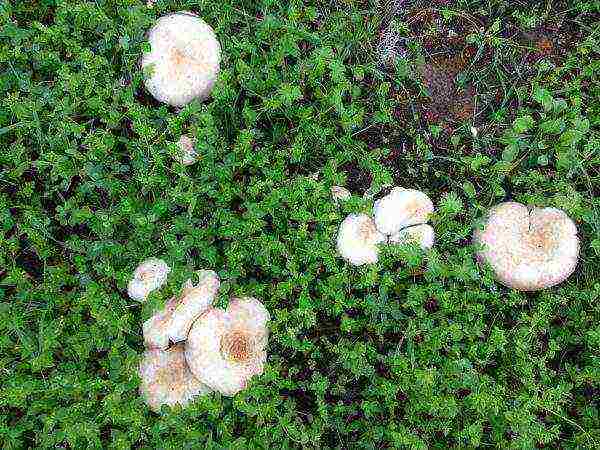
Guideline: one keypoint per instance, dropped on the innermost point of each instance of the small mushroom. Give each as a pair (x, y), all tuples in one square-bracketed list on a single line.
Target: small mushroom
[(184, 59), (340, 193), (166, 378), (186, 151), (528, 250), (149, 276), (422, 235), (225, 348), (358, 238), (401, 208), (173, 323)]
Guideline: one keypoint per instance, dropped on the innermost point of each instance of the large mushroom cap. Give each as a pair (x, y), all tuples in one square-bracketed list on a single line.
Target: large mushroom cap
[(401, 208), (166, 378), (422, 235), (184, 59), (174, 321), (149, 276), (225, 349), (528, 250), (358, 238)]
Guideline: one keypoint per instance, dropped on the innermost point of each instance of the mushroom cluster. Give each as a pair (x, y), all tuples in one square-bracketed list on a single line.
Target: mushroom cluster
[(528, 249), (399, 218), (194, 348)]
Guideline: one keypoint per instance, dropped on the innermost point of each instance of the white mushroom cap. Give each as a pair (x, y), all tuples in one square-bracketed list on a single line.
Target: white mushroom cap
[(225, 349), (184, 56), (358, 238), (149, 276), (422, 235), (529, 250), (186, 151), (401, 208), (174, 321), (166, 378)]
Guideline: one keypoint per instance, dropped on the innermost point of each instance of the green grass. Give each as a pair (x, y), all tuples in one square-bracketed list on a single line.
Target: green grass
[(373, 357)]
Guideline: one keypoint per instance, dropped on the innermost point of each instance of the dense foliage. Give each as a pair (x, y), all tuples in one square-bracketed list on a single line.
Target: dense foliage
[(419, 350)]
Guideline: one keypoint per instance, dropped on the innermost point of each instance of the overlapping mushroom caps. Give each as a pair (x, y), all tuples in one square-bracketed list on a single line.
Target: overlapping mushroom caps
[(357, 240), (149, 276), (173, 323), (166, 378), (403, 215), (183, 60), (528, 250), (225, 348)]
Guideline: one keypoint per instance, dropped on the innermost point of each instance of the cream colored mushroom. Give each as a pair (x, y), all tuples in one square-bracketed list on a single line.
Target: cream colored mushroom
[(340, 193), (183, 62), (166, 378), (528, 250), (186, 151), (357, 240), (401, 208), (421, 235), (149, 276), (225, 348), (173, 323)]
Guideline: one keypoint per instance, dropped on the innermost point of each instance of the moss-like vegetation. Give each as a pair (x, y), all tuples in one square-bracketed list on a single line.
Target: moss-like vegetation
[(474, 102)]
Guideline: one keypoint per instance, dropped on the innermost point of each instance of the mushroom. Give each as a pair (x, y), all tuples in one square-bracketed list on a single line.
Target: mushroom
[(422, 235), (174, 321), (340, 193), (528, 250), (186, 151), (225, 348), (401, 208), (149, 276), (184, 59), (166, 378), (358, 238)]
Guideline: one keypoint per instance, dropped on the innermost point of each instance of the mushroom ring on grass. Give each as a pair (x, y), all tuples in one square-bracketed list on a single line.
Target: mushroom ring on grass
[(225, 348), (149, 276), (403, 215), (528, 250), (175, 320), (166, 378), (183, 61)]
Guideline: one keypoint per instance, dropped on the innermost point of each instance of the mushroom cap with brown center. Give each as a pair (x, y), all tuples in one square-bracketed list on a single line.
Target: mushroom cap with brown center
[(174, 321), (401, 208), (358, 238), (166, 378), (528, 250), (184, 59), (225, 348)]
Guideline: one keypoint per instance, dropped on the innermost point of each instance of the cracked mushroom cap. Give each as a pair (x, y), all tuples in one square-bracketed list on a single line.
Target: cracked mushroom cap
[(174, 321), (166, 378), (149, 276), (358, 238), (225, 348), (401, 208), (422, 235), (184, 57), (528, 250)]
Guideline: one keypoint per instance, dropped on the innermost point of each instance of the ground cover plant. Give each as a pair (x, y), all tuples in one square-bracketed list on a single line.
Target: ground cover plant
[(474, 102)]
